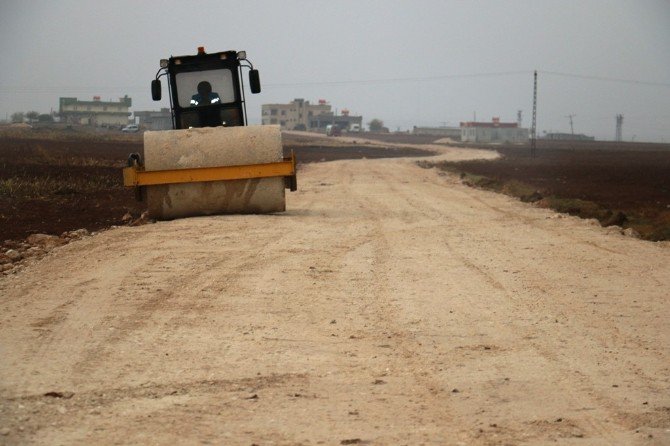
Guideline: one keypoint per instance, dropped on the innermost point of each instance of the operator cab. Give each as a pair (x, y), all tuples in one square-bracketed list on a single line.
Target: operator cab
[(206, 90)]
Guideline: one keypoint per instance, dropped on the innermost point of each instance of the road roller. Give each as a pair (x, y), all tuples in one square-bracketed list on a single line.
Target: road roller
[(211, 162)]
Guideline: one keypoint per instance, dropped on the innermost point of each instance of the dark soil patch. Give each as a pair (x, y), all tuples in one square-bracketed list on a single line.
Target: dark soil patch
[(627, 186), (361, 138), (56, 184), (396, 138), (315, 153), (53, 186)]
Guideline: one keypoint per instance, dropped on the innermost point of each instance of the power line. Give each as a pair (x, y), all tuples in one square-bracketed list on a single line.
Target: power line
[(471, 76), (16, 88), (572, 129), (606, 79), (619, 126), (59, 89), (533, 129), (400, 79)]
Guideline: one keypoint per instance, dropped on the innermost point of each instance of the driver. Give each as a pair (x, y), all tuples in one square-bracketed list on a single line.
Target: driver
[(205, 95)]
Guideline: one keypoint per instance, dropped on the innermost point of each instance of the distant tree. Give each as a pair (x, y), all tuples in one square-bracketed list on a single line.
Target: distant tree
[(32, 116), (45, 118), (376, 125), (18, 117)]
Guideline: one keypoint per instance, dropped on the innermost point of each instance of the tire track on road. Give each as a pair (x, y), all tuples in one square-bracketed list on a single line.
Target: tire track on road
[(425, 204)]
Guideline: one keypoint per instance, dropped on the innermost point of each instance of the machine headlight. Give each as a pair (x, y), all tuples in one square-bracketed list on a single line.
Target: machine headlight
[(164, 63), (241, 55)]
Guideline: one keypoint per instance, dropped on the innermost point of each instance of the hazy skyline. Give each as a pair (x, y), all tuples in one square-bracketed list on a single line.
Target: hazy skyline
[(424, 63)]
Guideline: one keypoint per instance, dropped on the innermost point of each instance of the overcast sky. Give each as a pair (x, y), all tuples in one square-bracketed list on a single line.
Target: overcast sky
[(424, 63)]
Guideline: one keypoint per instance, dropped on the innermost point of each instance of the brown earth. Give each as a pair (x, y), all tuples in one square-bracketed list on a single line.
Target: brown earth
[(618, 184), (52, 186), (57, 181), (390, 305)]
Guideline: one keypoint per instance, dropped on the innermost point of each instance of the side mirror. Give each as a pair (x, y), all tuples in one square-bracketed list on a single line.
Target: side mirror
[(254, 81), (156, 89)]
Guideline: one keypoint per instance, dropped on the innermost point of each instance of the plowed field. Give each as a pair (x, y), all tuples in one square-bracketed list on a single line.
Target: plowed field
[(60, 182), (626, 185)]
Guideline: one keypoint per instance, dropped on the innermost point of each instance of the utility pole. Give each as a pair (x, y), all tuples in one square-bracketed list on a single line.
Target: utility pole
[(518, 118), (572, 129), (533, 128), (619, 127)]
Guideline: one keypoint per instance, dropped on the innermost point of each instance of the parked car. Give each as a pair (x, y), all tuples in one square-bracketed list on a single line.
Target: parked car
[(333, 130), (131, 128)]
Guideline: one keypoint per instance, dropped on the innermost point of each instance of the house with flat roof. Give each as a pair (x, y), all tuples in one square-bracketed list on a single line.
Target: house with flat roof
[(154, 119), (299, 114), (95, 112), (493, 132), (568, 137), (447, 132)]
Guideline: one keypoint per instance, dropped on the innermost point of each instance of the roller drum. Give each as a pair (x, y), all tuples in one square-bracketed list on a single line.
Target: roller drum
[(213, 147)]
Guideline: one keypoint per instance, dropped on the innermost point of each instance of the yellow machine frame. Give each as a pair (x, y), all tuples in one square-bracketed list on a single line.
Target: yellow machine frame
[(135, 176)]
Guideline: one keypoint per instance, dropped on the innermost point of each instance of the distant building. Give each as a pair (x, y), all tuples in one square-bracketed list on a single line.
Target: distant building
[(493, 132), (447, 132), (95, 112), (301, 115), (154, 120), (568, 137)]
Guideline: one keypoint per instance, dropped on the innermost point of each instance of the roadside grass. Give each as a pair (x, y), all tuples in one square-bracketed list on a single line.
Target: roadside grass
[(20, 187), (68, 133), (38, 170), (651, 224), (42, 155)]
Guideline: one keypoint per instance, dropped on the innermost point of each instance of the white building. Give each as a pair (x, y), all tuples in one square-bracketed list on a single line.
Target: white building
[(95, 112), (301, 115), (447, 132), (493, 132), (154, 120)]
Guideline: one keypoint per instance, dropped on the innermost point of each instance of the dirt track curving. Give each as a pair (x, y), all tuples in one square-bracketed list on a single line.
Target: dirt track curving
[(389, 305)]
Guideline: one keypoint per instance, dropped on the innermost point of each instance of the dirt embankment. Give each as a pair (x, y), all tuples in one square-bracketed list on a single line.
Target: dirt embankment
[(627, 186)]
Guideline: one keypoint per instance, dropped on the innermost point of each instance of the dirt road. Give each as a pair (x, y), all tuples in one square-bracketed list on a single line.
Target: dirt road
[(389, 305)]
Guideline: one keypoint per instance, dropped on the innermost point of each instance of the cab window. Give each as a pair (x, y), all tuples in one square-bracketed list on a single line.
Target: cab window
[(221, 82)]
